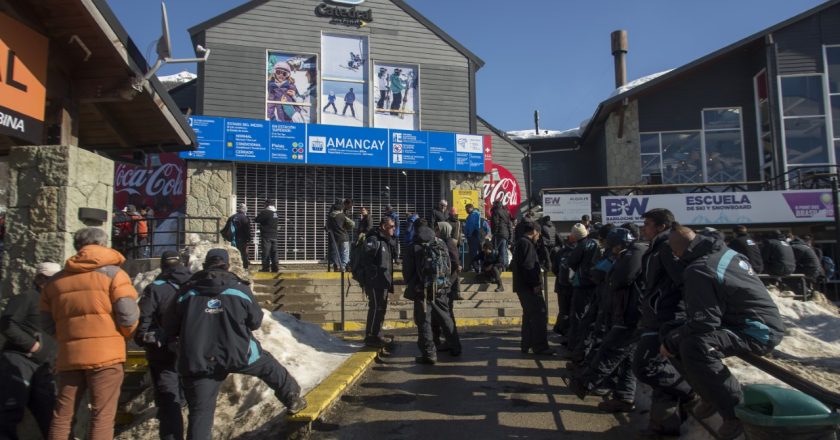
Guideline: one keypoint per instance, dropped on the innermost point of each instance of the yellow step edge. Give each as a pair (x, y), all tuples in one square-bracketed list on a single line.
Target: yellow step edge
[(323, 276), (321, 397), (351, 326)]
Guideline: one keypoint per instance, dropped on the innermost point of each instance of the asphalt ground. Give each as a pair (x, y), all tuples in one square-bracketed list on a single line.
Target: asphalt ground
[(491, 391)]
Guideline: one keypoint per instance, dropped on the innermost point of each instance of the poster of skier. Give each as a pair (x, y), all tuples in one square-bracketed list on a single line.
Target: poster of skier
[(344, 91), (344, 103), (291, 87), (396, 96), (345, 57)]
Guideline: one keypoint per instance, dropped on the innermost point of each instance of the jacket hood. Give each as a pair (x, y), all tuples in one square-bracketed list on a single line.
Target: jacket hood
[(271, 208), (445, 230), (798, 241), (424, 235), (178, 275), (213, 282), (701, 246), (92, 257)]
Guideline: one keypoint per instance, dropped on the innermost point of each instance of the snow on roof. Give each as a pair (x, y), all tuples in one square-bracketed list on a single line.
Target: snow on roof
[(521, 135), (180, 77), (637, 82)]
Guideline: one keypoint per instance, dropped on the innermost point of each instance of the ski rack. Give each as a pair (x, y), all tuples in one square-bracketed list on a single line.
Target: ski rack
[(828, 397)]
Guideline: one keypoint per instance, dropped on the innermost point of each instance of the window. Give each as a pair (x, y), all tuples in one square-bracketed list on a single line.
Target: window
[(651, 157), (832, 63), (804, 120), (676, 156), (723, 146), (344, 87)]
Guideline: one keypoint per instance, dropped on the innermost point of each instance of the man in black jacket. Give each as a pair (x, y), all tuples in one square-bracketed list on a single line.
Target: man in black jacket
[(779, 259), (429, 302), (807, 262), (439, 214), (744, 244), (240, 226), (582, 259), (613, 358), (548, 240), (562, 285), (729, 312), (527, 283), (377, 261), (161, 351), (213, 318), (339, 240), (443, 230), (662, 309), (267, 219), (27, 360), (502, 230)]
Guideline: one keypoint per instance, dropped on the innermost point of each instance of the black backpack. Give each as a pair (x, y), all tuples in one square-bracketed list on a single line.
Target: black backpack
[(435, 267), (227, 230), (362, 256)]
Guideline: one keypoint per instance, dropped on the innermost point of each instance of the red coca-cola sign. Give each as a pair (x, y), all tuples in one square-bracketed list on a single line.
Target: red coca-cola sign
[(160, 184), (501, 185)]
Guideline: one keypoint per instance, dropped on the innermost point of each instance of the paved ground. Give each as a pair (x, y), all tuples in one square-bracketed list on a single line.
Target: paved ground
[(491, 391)]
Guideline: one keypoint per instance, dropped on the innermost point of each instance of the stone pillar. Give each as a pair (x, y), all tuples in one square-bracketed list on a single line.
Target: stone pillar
[(47, 186), (209, 193), (624, 166)]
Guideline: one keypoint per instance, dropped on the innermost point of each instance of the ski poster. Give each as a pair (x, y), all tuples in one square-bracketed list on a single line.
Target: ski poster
[(344, 91), (396, 96), (291, 92)]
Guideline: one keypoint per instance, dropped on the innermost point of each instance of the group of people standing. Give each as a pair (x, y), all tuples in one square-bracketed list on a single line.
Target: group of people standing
[(71, 328)]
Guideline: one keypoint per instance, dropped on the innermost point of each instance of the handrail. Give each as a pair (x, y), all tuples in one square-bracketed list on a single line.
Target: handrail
[(130, 245), (796, 174), (642, 188)]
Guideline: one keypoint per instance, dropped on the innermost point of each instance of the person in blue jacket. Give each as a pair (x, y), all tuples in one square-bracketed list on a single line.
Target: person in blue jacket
[(213, 318), (472, 230), (349, 99)]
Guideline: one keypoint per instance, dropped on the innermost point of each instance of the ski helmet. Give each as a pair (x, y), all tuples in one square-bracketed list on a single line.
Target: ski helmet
[(620, 237)]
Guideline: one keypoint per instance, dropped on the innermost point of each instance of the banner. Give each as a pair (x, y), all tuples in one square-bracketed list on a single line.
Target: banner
[(463, 197), (566, 207), (291, 93), (501, 186), (23, 80), (256, 140), (396, 97), (725, 208), (344, 91)]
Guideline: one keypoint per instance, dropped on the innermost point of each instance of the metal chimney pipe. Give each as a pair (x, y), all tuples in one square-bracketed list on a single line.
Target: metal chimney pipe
[(537, 122), (619, 51)]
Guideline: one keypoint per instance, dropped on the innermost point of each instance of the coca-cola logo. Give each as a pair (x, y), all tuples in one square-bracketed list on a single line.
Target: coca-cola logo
[(504, 189), (166, 180)]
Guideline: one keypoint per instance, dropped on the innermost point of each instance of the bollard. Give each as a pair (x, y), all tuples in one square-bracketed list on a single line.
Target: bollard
[(342, 299)]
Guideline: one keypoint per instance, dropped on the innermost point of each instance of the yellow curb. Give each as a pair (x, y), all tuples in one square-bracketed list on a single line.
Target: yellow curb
[(460, 322), (321, 397), (328, 276)]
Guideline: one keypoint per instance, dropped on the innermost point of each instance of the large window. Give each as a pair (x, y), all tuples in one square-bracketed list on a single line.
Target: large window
[(832, 63), (713, 154), (723, 145), (804, 121), (344, 88)]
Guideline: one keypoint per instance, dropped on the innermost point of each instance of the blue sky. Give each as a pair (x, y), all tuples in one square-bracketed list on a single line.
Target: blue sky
[(547, 55)]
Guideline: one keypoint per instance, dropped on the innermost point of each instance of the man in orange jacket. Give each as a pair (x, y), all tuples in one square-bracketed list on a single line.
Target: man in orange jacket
[(91, 308)]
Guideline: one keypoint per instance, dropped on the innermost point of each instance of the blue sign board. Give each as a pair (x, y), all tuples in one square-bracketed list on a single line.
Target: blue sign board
[(253, 140)]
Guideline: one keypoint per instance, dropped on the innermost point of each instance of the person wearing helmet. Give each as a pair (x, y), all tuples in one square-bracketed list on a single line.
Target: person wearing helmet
[(614, 356), (281, 88)]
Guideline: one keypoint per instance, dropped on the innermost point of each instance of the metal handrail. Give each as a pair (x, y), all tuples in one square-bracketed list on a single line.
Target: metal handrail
[(132, 246), (800, 174)]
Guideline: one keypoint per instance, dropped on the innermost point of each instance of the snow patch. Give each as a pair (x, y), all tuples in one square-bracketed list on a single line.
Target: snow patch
[(178, 78), (520, 135), (637, 82)]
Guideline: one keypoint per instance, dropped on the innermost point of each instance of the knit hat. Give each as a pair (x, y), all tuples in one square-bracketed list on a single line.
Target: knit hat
[(283, 66), (216, 255), (168, 256), (579, 231), (47, 269)]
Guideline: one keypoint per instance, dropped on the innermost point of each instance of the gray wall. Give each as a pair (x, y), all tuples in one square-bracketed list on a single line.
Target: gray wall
[(726, 82), (799, 46), (508, 156), (233, 80)]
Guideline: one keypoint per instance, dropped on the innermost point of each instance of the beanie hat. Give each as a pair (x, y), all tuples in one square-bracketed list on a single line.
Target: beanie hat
[(169, 256), (283, 65), (579, 231), (216, 255), (47, 269)]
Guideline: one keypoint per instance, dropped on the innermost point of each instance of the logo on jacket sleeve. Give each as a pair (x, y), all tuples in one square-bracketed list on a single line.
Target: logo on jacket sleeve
[(746, 267), (214, 306)]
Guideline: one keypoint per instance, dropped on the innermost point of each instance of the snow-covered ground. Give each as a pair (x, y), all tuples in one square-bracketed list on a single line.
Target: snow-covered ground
[(332, 117)]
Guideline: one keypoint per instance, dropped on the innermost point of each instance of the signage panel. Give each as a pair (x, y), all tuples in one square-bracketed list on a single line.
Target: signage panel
[(254, 140), (23, 80), (566, 207), (725, 208)]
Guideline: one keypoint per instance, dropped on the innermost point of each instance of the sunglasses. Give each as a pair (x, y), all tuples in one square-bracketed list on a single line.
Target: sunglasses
[(284, 72)]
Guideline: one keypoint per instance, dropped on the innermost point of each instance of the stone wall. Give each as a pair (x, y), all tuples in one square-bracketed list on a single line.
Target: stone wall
[(209, 193), (623, 154), (47, 186), (4, 184)]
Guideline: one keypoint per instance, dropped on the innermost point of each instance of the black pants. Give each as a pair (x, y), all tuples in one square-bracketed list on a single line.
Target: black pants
[(352, 110), (669, 387), (383, 95), (564, 300), (25, 385), (582, 298), (377, 307), (534, 321), (427, 310), (613, 360), (454, 294), (700, 358), (269, 253), (168, 399), (396, 101), (331, 104), (243, 251), (492, 274), (202, 392)]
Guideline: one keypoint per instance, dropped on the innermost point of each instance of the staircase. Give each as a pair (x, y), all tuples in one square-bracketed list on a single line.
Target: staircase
[(315, 296)]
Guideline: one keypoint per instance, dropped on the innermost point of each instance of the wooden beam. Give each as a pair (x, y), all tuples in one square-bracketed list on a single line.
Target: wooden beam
[(115, 126)]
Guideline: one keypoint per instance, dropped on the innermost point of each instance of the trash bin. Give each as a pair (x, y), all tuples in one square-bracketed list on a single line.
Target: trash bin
[(770, 412)]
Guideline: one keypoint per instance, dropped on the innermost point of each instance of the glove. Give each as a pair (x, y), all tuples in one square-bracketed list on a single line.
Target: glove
[(150, 338)]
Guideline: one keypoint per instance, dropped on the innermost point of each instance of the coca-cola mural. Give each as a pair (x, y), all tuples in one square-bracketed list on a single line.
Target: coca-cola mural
[(160, 185), (501, 185)]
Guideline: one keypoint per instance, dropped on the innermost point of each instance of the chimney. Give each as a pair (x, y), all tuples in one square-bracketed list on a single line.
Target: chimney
[(619, 51), (537, 122)]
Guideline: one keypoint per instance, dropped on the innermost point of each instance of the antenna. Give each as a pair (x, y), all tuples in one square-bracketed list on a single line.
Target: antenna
[(164, 53)]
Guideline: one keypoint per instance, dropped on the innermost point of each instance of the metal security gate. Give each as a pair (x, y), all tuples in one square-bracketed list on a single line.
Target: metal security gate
[(304, 194)]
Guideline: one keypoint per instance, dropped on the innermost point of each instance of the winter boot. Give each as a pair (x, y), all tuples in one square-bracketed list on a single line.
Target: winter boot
[(501, 288), (425, 360), (616, 406), (296, 405)]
